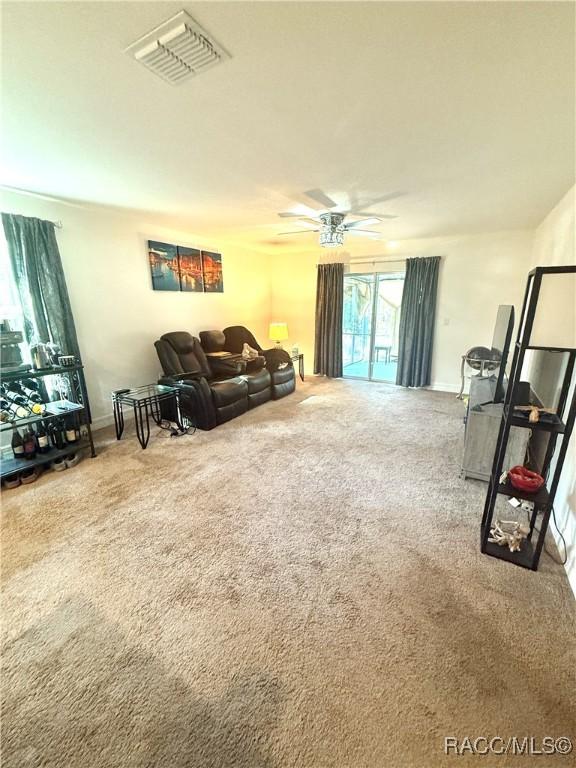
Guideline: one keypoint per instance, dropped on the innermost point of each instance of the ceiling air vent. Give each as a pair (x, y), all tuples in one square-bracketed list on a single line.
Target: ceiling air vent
[(177, 49)]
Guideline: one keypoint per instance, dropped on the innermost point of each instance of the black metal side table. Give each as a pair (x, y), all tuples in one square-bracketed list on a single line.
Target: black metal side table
[(300, 358), (145, 401)]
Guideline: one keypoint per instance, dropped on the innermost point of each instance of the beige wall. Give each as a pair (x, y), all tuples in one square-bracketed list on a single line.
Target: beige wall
[(477, 273), (555, 245), (293, 288), (117, 314)]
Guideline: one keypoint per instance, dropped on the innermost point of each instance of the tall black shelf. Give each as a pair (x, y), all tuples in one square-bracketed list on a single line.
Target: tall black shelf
[(78, 406), (559, 427)]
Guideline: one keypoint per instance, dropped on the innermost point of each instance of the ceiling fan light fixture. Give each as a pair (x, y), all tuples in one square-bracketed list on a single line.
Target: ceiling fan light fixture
[(331, 238), (332, 230)]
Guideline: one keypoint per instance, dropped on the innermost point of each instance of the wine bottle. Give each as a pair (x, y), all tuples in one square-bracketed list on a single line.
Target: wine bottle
[(17, 410), (14, 397), (71, 433), (52, 433), (59, 434), (42, 438), (28, 407), (17, 444), (29, 440), (30, 394), (63, 431), (10, 409)]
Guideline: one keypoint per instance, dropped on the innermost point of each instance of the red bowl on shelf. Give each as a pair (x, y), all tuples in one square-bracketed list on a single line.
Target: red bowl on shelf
[(524, 479)]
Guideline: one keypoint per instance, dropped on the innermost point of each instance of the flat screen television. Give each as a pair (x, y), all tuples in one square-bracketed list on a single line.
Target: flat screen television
[(501, 346)]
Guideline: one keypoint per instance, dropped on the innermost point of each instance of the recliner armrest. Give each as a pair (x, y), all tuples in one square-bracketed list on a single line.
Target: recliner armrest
[(191, 375), (195, 398), (277, 359)]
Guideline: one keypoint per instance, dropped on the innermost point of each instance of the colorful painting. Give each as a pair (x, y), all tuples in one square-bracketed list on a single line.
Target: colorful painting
[(164, 268), (212, 268), (180, 268), (191, 278)]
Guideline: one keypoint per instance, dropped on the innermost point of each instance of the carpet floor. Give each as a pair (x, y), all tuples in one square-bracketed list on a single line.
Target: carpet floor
[(301, 587)]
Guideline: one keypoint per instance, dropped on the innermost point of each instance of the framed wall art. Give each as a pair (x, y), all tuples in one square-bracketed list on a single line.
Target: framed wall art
[(181, 268), (212, 268), (164, 268)]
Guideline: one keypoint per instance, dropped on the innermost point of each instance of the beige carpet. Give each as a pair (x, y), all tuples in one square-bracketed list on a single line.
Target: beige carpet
[(300, 587)]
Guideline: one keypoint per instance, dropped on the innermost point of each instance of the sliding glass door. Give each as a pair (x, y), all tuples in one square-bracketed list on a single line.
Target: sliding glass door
[(357, 325), (370, 325)]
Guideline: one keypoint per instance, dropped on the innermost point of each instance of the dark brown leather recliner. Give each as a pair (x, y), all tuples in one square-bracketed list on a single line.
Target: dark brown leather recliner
[(278, 361), (211, 393), (256, 376), (215, 342)]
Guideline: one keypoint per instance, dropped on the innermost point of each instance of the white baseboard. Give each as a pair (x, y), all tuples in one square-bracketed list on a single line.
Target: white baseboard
[(108, 420), (569, 533), (439, 386)]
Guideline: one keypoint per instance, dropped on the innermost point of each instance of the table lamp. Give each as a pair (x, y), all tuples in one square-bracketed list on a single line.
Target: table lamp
[(278, 332)]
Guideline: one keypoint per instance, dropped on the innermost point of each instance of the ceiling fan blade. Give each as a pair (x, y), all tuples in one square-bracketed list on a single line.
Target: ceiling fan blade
[(298, 231), (364, 232), (320, 197), (371, 214), (309, 220), (361, 222), (312, 219)]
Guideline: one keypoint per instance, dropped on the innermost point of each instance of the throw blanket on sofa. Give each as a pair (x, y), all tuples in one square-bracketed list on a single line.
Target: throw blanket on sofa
[(276, 359)]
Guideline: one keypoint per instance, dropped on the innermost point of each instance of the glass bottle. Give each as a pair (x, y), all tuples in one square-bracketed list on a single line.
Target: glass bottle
[(42, 438), (59, 434), (10, 408), (17, 444), (29, 440), (29, 393), (71, 434), (18, 403)]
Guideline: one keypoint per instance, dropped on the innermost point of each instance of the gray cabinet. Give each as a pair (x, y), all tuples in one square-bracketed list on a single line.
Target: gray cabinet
[(482, 425)]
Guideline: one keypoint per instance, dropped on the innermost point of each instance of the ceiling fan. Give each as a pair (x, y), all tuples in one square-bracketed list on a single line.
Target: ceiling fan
[(330, 223)]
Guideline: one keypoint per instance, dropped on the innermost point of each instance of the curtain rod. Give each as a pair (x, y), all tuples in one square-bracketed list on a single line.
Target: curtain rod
[(377, 261)]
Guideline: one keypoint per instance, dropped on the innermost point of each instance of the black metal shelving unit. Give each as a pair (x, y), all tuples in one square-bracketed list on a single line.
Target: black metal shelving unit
[(558, 426), (76, 404)]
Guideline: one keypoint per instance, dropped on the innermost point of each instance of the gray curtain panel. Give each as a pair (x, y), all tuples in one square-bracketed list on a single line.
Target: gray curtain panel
[(417, 322), (37, 268), (329, 304)]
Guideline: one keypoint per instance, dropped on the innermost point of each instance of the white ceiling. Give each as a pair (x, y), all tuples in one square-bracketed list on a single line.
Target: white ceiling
[(467, 109)]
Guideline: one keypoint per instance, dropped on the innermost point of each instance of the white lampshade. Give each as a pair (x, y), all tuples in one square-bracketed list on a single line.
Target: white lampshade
[(278, 331), (555, 319)]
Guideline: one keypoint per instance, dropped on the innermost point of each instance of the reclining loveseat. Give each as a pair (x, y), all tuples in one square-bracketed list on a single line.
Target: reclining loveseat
[(277, 360), (214, 390)]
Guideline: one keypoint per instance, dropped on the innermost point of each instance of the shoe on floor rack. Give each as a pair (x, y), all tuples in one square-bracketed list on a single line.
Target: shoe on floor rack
[(28, 476), (11, 482), (25, 477)]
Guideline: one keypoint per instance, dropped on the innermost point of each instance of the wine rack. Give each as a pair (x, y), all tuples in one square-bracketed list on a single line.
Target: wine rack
[(75, 406)]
